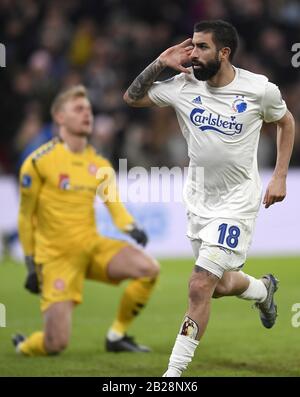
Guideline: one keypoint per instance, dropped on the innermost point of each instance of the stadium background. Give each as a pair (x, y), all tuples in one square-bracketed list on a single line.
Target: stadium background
[(51, 45)]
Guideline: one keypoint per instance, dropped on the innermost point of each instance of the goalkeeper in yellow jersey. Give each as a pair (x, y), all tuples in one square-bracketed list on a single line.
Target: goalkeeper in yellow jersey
[(58, 233)]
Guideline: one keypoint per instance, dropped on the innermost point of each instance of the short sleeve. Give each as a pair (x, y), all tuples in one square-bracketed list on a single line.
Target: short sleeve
[(164, 93), (30, 178), (273, 106)]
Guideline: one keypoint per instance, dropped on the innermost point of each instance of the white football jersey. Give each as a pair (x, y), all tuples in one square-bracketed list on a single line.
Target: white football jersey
[(221, 126)]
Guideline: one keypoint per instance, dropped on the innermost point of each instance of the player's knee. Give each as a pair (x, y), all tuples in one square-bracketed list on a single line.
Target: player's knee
[(199, 290), (55, 344), (148, 267), (223, 288), (154, 268), (220, 290)]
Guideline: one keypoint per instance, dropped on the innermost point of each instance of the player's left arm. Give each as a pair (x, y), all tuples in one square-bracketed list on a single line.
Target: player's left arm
[(109, 193), (276, 190)]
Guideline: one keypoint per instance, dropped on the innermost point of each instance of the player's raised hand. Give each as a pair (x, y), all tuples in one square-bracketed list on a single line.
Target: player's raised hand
[(276, 191), (176, 56)]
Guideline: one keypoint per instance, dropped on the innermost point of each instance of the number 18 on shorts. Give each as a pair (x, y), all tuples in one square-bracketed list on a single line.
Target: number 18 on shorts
[(220, 244)]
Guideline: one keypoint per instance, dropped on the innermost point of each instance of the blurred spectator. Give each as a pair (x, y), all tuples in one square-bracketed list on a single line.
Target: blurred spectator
[(104, 136), (53, 44)]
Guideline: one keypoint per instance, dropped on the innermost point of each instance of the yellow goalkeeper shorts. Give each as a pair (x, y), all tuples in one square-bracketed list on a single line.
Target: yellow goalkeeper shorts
[(61, 279)]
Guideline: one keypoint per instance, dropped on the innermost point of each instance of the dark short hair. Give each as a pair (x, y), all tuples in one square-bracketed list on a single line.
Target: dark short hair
[(223, 34)]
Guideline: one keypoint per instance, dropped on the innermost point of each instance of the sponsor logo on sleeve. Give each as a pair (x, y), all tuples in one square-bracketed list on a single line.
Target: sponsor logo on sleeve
[(26, 181)]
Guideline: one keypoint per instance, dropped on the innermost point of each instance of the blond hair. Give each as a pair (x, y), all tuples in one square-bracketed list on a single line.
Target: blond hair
[(76, 91)]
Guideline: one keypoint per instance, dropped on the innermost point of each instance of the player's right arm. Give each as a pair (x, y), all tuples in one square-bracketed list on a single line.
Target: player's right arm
[(174, 57), (30, 184)]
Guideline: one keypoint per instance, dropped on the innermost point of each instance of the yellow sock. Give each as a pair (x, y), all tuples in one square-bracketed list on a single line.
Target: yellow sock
[(33, 345), (135, 297)]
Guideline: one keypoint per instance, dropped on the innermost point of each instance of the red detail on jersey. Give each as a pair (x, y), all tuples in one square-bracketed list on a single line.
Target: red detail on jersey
[(64, 181), (92, 169), (59, 284)]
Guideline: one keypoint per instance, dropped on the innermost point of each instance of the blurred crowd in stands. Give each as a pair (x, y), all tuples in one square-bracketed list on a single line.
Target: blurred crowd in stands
[(53, 44)]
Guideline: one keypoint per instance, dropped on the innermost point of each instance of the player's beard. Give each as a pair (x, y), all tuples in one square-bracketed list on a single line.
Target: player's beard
[(207, 71)]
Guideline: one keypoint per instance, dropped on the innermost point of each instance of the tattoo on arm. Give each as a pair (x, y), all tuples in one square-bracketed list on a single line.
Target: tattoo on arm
[(143, 82)]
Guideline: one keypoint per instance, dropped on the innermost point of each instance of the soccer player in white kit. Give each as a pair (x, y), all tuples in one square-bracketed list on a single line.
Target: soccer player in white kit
[(220, 110)]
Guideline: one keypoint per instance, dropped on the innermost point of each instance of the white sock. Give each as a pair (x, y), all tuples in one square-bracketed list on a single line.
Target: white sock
[(256, 291), (182, 354), (113, 336)]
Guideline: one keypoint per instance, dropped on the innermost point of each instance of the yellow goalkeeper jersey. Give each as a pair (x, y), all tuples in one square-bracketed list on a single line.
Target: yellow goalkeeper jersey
[(57, 196)]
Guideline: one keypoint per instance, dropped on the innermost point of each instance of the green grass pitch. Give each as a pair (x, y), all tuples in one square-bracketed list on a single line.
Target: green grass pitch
[(235, 343)]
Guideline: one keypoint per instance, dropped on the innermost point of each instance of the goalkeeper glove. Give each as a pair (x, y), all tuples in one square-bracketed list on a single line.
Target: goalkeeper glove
[(138, 235), (31, 282)]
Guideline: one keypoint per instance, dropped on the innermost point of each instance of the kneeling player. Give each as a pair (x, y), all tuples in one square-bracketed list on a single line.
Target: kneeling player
[(59, 236)]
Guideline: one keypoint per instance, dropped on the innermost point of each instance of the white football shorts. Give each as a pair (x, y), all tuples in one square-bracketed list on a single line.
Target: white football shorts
[(220, 244)]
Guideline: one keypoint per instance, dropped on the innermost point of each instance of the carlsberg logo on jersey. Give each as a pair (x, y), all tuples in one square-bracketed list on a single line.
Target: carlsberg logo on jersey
[(209, 121)]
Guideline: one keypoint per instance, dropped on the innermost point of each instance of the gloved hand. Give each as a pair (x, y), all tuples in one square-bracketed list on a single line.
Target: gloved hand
[(138, 235), (31, 282)]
